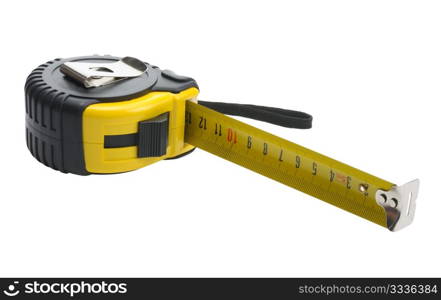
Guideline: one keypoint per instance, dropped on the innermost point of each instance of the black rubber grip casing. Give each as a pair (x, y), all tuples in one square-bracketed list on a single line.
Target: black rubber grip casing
[(55, 105)]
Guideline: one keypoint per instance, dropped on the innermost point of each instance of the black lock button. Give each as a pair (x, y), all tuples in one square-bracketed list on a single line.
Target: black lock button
[(153, 136)]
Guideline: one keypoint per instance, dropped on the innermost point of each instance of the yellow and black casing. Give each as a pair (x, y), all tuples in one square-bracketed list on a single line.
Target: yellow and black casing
[(109, 129)]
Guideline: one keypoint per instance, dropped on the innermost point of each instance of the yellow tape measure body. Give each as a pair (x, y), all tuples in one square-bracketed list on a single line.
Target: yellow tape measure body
[(122, 118), (83, 119)]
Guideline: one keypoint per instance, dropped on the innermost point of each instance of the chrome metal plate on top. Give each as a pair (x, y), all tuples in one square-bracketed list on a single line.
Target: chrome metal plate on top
[(96, 74)]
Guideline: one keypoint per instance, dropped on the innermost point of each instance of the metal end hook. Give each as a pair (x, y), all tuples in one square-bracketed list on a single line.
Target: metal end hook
[(99, 74), (399, 204)]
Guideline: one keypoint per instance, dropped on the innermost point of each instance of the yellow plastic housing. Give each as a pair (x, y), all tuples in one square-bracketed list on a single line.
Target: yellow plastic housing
[(117, 118)]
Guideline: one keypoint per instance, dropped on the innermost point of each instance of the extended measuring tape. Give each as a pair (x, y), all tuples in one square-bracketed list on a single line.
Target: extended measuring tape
[(103, 114)]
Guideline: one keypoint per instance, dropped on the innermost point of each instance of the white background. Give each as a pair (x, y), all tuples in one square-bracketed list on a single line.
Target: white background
[(368, 71)]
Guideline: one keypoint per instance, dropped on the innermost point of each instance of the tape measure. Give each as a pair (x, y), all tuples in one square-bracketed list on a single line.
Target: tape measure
[(104, 114)]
